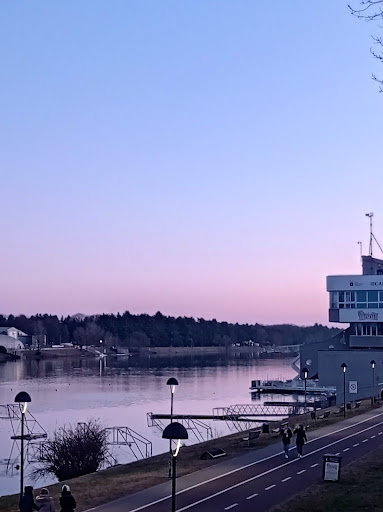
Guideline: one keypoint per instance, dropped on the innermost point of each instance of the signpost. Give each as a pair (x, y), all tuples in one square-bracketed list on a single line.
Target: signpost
[(331, 467)]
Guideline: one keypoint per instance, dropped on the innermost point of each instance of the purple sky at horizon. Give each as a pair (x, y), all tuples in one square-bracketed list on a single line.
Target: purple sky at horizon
[(207, 159)]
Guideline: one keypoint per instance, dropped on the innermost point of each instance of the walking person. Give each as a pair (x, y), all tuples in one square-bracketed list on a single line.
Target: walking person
[(286, 437), (300, 439), (67, 501), (27, 500), (45, 501)]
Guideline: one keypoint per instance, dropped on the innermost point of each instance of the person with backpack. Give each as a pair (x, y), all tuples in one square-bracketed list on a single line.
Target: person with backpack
[(45, 502), (300, 439), (286, 437), (27, 500), (67, 501)]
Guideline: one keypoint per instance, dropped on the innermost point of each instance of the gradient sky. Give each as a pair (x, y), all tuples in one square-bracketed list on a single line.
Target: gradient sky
[(203, 158)]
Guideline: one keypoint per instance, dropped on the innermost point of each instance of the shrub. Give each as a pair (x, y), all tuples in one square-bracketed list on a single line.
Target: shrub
[(74, 451)]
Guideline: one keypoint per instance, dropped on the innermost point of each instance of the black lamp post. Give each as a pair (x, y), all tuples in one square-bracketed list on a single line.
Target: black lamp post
[(344, 368), (305, 373), (22, 398), (175, 432), (372, 363), (172, 383)]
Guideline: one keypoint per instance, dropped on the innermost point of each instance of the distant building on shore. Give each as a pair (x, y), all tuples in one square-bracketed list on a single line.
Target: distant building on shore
[(356, 300), (12, 338)]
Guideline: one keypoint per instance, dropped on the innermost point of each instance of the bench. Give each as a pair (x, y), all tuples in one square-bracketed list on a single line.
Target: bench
[(251, 437), (340, 410), (324, 415), (214, 453)]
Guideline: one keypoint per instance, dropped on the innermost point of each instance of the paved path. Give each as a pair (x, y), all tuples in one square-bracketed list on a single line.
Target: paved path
[(262, 478)]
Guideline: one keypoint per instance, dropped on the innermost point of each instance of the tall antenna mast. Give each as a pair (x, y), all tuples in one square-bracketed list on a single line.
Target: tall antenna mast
[(372, 236), (370, 215)]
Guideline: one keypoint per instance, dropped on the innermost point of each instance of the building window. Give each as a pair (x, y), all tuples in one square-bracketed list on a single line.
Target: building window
[(361, 296), (373, 296), (360, 299)]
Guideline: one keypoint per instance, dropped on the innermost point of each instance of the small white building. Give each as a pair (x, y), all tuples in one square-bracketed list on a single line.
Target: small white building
[(12, 332), (10, 343)]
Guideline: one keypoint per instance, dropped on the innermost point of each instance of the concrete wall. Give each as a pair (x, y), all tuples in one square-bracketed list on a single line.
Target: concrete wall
[(358, 369), (309, 352)]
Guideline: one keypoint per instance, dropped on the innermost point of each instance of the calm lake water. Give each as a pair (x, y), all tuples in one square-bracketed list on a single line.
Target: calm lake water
[(120, 391)]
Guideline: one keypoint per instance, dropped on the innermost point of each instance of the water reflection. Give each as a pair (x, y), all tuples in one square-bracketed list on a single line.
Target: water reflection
[(122, 390)]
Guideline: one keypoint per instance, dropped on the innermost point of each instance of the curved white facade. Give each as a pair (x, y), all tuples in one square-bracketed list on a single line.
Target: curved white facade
[(10, 343)]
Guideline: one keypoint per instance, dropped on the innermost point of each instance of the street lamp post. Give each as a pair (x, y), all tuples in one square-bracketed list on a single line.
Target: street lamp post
[(372, 363), (305, 373), (172, 383), (344, 368), (175, 432), (22, 398)]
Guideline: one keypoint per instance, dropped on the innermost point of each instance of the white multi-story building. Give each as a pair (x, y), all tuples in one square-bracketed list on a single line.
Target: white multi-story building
[(357, 301)]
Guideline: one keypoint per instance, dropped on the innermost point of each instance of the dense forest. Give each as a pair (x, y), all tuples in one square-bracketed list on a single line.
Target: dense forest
[(127, 330)]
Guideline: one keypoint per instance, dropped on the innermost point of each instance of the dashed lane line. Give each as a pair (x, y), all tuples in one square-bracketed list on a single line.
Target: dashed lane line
[(372, 437), (364, 440), (337, 453), (199, 484), (346, 449), (314, 465), (252, 496), (270, 487), (251, 479), (231, 506), (301, 471), (355, 445), (286, 479)]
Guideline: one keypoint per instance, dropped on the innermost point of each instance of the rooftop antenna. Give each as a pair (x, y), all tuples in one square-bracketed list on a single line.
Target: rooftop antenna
[(361, 250), (370, 215), (372, 236)]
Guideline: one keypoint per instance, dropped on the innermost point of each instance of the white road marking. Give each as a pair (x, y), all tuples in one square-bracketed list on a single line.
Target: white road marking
[(380, 433), (372, 437), (252, 496), (355, 445), (231, 506), (270, 487), (235, 486), (199, 484), (302, 471), (364, 440), (314, 465), (337, 453), (346, 449), (287, 478)]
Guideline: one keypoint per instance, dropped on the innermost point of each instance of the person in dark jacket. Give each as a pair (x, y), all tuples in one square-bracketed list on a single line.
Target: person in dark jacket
[(27, 500), (67, 501), (300, 439), (286, 434)]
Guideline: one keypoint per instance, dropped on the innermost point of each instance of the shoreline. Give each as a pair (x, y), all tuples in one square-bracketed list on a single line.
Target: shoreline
[(122, 480)]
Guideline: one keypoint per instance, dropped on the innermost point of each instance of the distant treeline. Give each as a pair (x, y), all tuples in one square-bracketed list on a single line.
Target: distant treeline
[(162, 331)]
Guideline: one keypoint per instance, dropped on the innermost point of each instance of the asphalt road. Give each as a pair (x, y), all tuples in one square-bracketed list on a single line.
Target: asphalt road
[(264, 483)]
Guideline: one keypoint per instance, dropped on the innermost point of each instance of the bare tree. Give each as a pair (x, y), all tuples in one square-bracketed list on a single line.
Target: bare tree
[(372, 10), (74, 451)]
